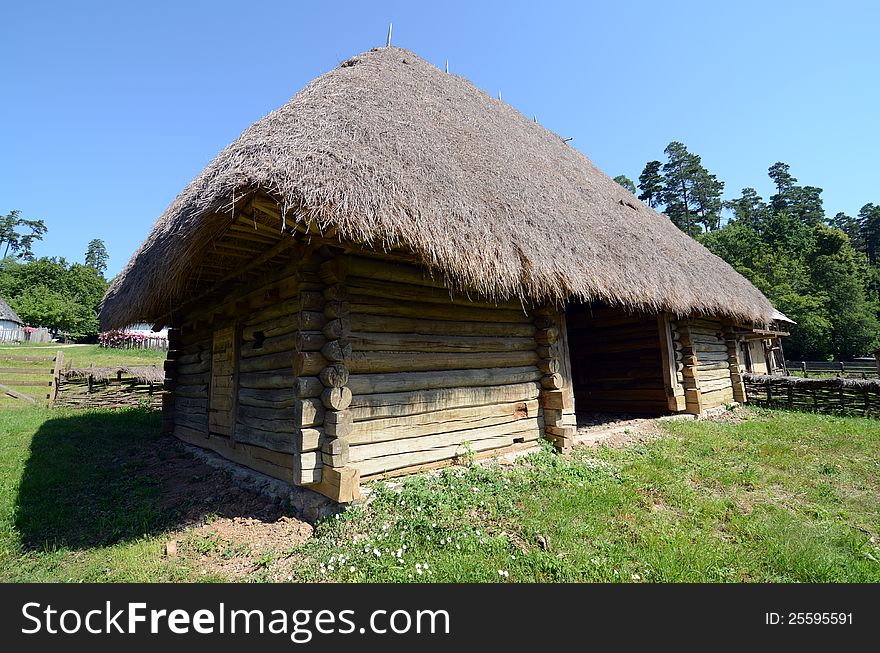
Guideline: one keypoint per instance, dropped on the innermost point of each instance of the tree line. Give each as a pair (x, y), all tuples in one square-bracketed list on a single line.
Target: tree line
[(50, 291), (823, 272)]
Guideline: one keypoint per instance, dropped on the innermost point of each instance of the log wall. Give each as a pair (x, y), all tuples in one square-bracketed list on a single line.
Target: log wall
[(230, 367), (710, 371), (410, 374)]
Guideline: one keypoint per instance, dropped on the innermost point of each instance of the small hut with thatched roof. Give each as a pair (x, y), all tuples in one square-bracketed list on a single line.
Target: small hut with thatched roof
[(395, 267), (10, 324)]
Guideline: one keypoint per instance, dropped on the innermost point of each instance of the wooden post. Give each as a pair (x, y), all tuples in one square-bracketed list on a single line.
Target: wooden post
[(174, 346), (692, 394), (338, 480), (804, 368), (557, 390), (739, 389), (674, 390), (56, 376)]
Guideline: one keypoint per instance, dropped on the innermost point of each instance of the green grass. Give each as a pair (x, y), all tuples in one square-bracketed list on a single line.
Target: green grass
[(87, 355), (777, 497)]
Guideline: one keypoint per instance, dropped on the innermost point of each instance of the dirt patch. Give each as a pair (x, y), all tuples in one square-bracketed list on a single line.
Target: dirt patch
[(617, 430), (221, 525)]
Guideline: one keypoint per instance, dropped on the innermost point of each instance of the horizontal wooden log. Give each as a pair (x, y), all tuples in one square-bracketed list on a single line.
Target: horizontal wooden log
[(336, 350), (365, 384), (193, 379), (717, 384), (711, 375), (364, 452), (272, 440), (398, 404), (547, 336), (203, 355), (336, 329), (302, 321), (440, 421), (334, 375), (361, 286), (548, 351), (701, 348), (549, 365), (271, 463), (194, 391), (277, 361), (289, 308), (337, 310), (407, 325), (408, 458), (309, 439), (413, 342), (287, 342), (556, 399), (191, 405), (267, 380), (307, 387), (309, 412), (271, 398), (552, 381), (376, 362), (717, 398), (370, 305), (336, 398), (271, 413)]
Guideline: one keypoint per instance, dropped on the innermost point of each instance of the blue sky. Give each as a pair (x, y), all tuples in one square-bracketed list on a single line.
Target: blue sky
[(109, 108)]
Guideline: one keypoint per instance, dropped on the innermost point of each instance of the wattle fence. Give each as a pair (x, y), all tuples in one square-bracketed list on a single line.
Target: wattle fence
[(829, 395)]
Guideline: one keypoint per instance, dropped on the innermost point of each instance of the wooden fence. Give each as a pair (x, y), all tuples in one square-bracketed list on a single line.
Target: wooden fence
[(25, 334), (857, 369), (29, 380), (829, 395), (42, 380), (111, 387)]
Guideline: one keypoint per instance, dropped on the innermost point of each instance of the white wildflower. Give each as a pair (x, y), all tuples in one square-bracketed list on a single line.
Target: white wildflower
[(636, 577), (351, 569)]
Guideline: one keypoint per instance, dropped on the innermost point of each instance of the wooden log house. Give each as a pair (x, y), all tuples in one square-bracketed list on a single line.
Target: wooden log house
[(395, 269)]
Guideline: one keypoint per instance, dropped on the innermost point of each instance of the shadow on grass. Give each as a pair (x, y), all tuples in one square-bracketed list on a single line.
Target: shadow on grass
[(97, 478)]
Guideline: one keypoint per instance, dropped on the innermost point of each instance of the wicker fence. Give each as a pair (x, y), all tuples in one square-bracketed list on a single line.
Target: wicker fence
[(833, 395), (110, 387)]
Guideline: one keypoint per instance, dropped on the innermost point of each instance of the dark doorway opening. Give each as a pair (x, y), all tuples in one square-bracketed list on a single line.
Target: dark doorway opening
[(617, 361)]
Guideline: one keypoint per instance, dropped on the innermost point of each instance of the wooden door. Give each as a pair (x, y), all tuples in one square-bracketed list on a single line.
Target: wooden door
[(224, 363)]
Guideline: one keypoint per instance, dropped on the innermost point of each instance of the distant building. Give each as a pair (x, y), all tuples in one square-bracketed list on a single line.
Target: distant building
[(760, 350), (11, 326)]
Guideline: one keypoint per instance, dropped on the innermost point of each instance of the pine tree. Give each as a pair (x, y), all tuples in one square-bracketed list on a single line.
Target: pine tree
[(626, 182), (651, 184)]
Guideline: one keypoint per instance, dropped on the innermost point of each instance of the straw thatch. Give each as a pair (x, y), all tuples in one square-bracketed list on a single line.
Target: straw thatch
[(394, 153), (7, 314)]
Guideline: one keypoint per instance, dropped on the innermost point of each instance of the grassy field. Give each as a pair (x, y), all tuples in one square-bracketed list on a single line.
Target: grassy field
[(86, 355), (769, 497)]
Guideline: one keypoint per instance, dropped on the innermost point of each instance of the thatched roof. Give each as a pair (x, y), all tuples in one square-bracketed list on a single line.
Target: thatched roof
[(6, 313), (392, 152)]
